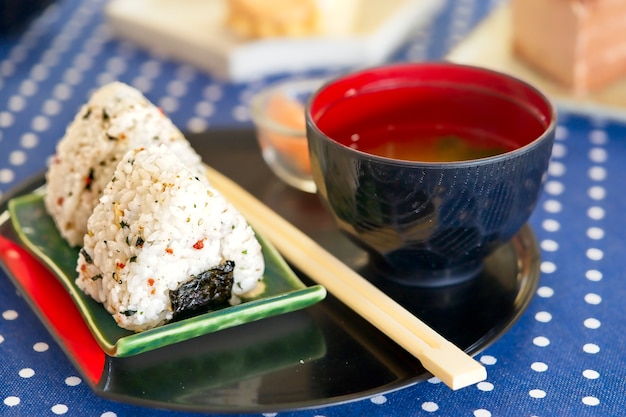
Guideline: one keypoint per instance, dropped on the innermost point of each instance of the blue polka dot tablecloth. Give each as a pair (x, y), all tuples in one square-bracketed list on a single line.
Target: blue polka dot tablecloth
[(564, 357)]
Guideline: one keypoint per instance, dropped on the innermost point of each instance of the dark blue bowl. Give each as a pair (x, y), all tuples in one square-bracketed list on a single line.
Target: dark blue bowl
[(430, 223)]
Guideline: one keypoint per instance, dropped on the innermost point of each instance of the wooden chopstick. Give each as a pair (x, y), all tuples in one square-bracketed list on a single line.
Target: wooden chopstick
[(439, 356)]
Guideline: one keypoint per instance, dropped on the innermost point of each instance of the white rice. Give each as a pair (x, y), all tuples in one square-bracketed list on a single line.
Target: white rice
[(155, 198), (116, 119)]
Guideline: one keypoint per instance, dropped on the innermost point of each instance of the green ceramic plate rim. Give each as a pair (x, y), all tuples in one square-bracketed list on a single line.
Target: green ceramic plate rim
[(119, 342)]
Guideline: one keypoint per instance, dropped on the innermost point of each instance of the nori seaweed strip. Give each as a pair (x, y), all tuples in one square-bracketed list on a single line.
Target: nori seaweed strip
[(210, 289), (87, 257)]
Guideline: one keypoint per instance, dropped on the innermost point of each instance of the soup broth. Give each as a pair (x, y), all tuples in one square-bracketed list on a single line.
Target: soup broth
[(431, 144)]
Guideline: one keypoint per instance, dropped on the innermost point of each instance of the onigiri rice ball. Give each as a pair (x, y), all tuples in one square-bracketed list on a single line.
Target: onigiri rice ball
[(157, 225), (116, 119)]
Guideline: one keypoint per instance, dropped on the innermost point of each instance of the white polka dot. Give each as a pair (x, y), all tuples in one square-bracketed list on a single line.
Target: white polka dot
[(434, 380), (143, 84), (598, 137), (481, 412), (556, 169), (1, 338), (6, 119), (592, 323), (40, 347), (591, 374), (416, 52), (591, 348), (247, 94), (62, 92), (61, 43), (6, 175), (551, 225), (537, 393), (485, 386), (378, 399), (18, 53), (169, 104), (26, 372), (16, 103), (549, 245), (541, 341), (205, 109), (598, 121), (116, 65), (29, 140), (554, 187), (212, 92), (561, 133), (40, 124), (9, 315), (548, 267), (545, 292), (50, 58), (28, 88), (83, 62), (597, 193), (7, 68), (598, 155), (186, 73), (595, 254), (151, 69), (112, 414), (11, 401), (126, 50), (51, 107), (59, 409), (430, 406), (73, 76), (593, 299), (488, 360), (241, 114), (17, 158), (597, 173), (593, 275), (197, 125), (552, 206), (595, 213), (539, 367), (543, 317), (591, 401), (559, 150), (72, 381), (595, 233), (177, 88)]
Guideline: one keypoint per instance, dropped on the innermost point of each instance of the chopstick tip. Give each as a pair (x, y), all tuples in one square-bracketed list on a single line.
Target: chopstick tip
[(470, 377), (453, 367)]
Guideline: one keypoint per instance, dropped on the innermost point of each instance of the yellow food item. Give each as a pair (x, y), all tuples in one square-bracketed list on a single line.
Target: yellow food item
[(291, 18)]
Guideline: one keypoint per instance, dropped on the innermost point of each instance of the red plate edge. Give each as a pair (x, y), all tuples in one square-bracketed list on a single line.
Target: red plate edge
[(47, 293)]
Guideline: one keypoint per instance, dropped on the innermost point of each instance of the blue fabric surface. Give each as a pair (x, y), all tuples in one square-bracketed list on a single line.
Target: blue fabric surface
[(565, 355)]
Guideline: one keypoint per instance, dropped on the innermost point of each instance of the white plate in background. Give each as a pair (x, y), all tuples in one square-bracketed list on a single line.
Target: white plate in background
[(193, 31)]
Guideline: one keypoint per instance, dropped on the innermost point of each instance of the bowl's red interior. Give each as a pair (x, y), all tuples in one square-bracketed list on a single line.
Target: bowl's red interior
[(437, 94)]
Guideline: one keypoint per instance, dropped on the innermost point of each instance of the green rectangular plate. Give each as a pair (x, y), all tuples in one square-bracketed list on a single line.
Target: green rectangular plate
[(283, 291)]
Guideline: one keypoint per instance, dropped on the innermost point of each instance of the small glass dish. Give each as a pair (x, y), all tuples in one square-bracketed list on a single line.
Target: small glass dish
[(278, 114)]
